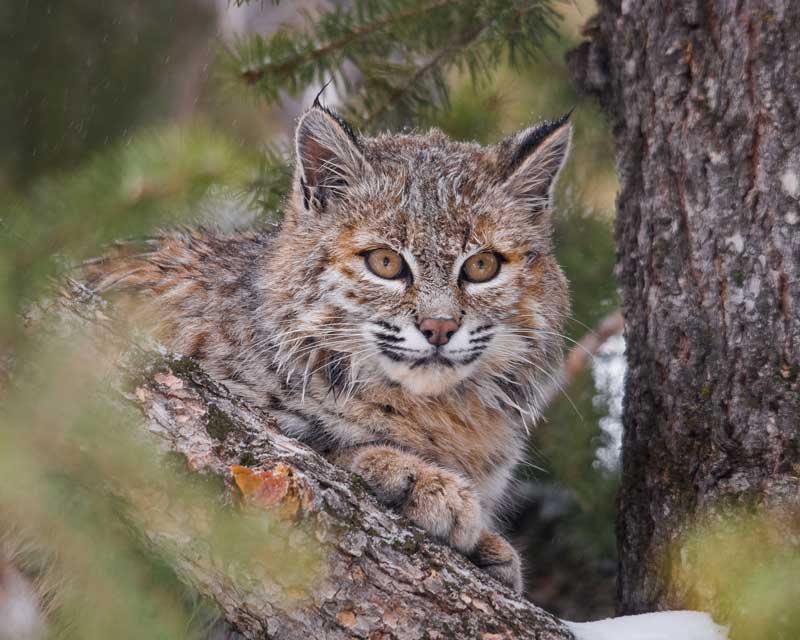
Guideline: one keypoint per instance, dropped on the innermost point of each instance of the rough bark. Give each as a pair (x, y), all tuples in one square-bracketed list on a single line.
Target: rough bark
[(704, 100), (382, 578)]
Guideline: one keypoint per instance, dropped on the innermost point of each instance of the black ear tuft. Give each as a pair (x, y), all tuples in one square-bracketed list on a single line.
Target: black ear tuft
[(533, 137), (328, 154), (316, 102), (532, 159)]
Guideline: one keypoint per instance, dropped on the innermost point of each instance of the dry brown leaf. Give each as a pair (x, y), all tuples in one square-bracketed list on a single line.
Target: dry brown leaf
[(275, 487)]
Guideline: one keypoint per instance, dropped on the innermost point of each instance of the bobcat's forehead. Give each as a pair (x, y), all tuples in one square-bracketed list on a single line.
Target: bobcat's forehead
[(436, 197)]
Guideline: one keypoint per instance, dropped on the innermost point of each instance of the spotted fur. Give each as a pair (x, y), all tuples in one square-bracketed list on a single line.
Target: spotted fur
[(294, 321)]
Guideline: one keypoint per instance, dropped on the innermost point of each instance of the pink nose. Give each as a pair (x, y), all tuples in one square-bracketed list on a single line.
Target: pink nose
[(438, 331)]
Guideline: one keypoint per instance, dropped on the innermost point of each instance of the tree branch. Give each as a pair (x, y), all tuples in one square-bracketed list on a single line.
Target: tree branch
[(382, 577), (253, 74)]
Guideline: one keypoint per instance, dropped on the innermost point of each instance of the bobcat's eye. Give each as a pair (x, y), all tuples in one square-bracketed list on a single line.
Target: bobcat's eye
[(481, 267), (385, 263)]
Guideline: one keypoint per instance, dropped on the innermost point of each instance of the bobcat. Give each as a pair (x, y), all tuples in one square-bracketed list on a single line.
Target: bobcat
[(403, 320)]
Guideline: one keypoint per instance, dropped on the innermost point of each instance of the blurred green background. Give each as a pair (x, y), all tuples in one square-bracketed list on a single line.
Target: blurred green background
[(122, 117)]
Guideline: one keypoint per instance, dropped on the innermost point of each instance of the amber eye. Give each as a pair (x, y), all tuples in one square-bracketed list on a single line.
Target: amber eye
[(385, 263), (481, 267)]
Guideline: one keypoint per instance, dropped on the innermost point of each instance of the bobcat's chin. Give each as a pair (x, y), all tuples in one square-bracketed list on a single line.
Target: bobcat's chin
[(427, 378)]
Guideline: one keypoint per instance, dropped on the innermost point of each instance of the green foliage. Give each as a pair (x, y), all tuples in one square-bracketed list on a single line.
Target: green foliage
[(80, 483), (391, 57), (585, 250), (155, 179), (749, 561), (269, 182)]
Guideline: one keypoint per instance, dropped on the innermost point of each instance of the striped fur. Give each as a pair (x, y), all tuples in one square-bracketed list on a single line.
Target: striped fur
[(295, 322)]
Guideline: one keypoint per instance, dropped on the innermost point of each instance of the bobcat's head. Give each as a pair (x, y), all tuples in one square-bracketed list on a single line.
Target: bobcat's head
[(424, 261)]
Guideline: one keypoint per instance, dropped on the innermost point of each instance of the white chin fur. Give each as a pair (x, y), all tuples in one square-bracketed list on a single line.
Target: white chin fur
[(427, 380)]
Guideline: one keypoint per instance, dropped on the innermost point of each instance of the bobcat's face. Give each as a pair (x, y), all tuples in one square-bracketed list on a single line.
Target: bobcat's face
[(442, 291), (435, 262)]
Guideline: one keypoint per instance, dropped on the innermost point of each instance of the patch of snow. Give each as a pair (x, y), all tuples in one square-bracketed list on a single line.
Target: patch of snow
[(608, 370), (662, 625)]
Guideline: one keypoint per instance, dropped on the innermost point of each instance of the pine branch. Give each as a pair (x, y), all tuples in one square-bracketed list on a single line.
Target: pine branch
[(427, 68), (394, 50), (253, 75), (149, 180), (266, 189), (434, 64)]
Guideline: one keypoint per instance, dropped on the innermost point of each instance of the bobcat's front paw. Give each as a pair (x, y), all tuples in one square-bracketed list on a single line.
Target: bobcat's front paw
[(495, 555), (445, 504), (440, 501)]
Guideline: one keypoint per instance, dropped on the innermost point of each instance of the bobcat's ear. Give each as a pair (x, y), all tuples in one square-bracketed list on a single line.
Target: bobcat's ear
[(534, 158), (328, 156)]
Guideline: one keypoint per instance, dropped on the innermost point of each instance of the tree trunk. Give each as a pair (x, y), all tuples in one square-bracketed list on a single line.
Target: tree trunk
[(704, 99), (381, 578)]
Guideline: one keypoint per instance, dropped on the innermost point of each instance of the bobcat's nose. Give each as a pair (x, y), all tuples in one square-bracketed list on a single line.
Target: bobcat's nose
[(438, 331)]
